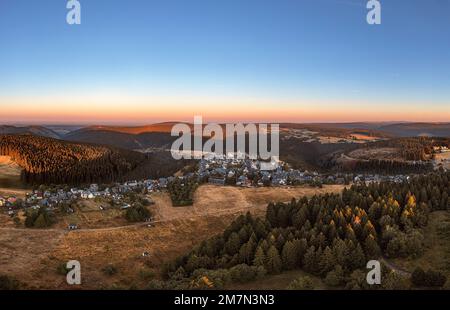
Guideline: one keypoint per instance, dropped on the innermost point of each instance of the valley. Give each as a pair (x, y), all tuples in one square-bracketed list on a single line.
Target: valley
[(90, 223)]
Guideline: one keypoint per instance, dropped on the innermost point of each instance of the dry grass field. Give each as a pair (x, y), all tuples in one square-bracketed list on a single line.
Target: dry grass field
[(33, 256), (217, 200), (93, 214)]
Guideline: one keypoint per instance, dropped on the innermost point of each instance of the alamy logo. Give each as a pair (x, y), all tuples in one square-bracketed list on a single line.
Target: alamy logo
[(255, 134), (73, 276), (74, 15), (374, 274), (374, 15)]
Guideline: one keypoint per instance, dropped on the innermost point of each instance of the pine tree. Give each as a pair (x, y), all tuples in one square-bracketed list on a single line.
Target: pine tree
[(340, 252), (358, 259), (300, 247), (279, 243), (260, 257), (233, 244), (371, 248), (271, 215), (274, 263), (40, 222), (327, 261), (335, 277), (310, 260), (288, 256)]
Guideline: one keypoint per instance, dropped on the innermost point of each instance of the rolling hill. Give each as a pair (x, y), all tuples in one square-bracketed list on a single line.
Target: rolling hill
[(33, 130), (118, 138), (46, 160)]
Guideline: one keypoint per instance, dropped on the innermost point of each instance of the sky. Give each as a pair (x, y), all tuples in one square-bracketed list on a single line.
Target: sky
[(145, 61)]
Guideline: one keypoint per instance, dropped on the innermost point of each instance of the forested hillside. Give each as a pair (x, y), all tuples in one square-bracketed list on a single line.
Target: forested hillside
[(417, 148), (329, 236), (34, 130), (46, 160)]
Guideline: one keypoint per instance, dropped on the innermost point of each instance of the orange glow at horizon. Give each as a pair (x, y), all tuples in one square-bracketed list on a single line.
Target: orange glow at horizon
[(101, 109)]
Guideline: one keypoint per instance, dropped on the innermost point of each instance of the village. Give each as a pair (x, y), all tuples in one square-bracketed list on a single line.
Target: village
[(217, 171)]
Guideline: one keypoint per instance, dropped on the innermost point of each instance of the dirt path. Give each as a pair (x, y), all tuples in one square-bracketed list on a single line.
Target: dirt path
[(395, 268)]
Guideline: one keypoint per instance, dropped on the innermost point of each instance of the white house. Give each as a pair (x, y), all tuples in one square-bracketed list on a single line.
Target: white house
[(87, 195)]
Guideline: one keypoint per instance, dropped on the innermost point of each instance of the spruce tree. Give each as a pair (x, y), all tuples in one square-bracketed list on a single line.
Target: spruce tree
[(273, 264), (260, 257), (288, 256)]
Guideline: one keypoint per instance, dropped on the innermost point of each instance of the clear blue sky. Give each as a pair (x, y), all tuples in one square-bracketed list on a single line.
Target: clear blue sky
[(309, 49)]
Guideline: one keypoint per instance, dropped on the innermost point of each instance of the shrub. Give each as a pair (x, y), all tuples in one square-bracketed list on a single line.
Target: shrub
[(137, 213), (17, 221), (357, 281), (62, 269), (109, 270), (40, 218), (302, 283), (430, 278), (418, 277), (394, 281), (146, 274), (156, 285), (244, 273), (182, 191), (219, 278), (335, 277), (8, 283)]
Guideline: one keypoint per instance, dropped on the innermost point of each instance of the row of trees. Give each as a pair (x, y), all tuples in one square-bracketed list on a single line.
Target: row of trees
[(429, 278), (331, 236), (389, 167)]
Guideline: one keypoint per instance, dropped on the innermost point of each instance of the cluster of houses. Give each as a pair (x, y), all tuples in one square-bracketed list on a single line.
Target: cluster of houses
[(52, 198), (237, 172), (247, 172)]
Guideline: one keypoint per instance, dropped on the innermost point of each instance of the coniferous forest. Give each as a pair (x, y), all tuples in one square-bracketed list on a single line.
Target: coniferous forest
[(51, 161), (330, 236)]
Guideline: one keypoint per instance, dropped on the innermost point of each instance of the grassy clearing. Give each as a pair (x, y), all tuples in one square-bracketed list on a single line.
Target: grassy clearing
[(437, 253)]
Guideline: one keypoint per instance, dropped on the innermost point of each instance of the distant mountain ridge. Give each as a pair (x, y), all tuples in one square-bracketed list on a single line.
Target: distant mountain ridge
[(397, 129), (158, 127), (418, 129), (34, 130), (158, 135)]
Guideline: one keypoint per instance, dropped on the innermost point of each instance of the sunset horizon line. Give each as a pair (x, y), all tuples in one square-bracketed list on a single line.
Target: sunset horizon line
[(175, 121)]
